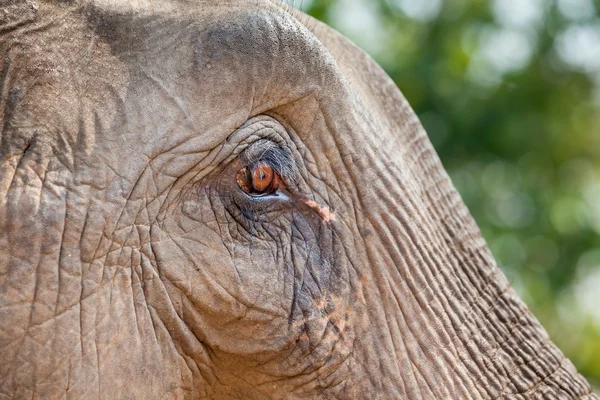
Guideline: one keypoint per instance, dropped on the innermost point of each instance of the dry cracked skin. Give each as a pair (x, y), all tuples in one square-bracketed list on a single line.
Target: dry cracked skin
[(229, 200)]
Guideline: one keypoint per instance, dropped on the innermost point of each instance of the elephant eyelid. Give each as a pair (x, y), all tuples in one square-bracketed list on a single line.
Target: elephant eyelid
[(270, 153)]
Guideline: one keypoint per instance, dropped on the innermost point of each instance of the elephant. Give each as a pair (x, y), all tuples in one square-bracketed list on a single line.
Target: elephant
[(227, 199)]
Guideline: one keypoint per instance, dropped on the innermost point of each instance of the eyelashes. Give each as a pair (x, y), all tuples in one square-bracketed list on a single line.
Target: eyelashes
[(267, 168)]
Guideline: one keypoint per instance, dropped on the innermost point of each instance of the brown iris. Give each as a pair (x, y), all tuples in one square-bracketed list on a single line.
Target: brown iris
[(258, 179)]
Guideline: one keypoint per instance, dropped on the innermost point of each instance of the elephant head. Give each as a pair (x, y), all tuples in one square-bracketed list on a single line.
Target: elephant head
[(227, 199)]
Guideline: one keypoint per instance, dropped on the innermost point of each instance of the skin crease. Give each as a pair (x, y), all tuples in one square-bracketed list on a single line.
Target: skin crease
[(132, 264)]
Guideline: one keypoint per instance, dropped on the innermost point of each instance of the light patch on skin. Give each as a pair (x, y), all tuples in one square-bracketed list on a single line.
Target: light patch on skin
[(324, 212)]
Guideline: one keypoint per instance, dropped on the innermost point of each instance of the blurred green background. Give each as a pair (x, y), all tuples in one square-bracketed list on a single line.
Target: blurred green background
[(509, 93)]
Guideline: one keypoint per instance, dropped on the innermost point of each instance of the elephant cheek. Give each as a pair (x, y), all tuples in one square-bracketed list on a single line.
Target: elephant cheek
[(231, 299)]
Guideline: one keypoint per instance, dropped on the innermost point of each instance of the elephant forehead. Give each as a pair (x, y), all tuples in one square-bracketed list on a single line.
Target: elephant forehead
[(197, 77), (142, 78)]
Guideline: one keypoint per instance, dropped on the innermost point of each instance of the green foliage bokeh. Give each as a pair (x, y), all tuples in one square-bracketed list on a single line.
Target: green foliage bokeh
[(509, 93)]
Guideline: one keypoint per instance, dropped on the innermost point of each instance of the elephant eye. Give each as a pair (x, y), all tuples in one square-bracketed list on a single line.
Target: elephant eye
[(258, 179)]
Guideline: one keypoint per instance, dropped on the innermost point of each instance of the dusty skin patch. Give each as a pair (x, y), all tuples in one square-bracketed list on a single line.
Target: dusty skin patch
[(324, 212)]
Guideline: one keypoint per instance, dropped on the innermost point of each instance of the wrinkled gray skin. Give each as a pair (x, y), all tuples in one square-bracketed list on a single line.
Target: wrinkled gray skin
[(133, 266)]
